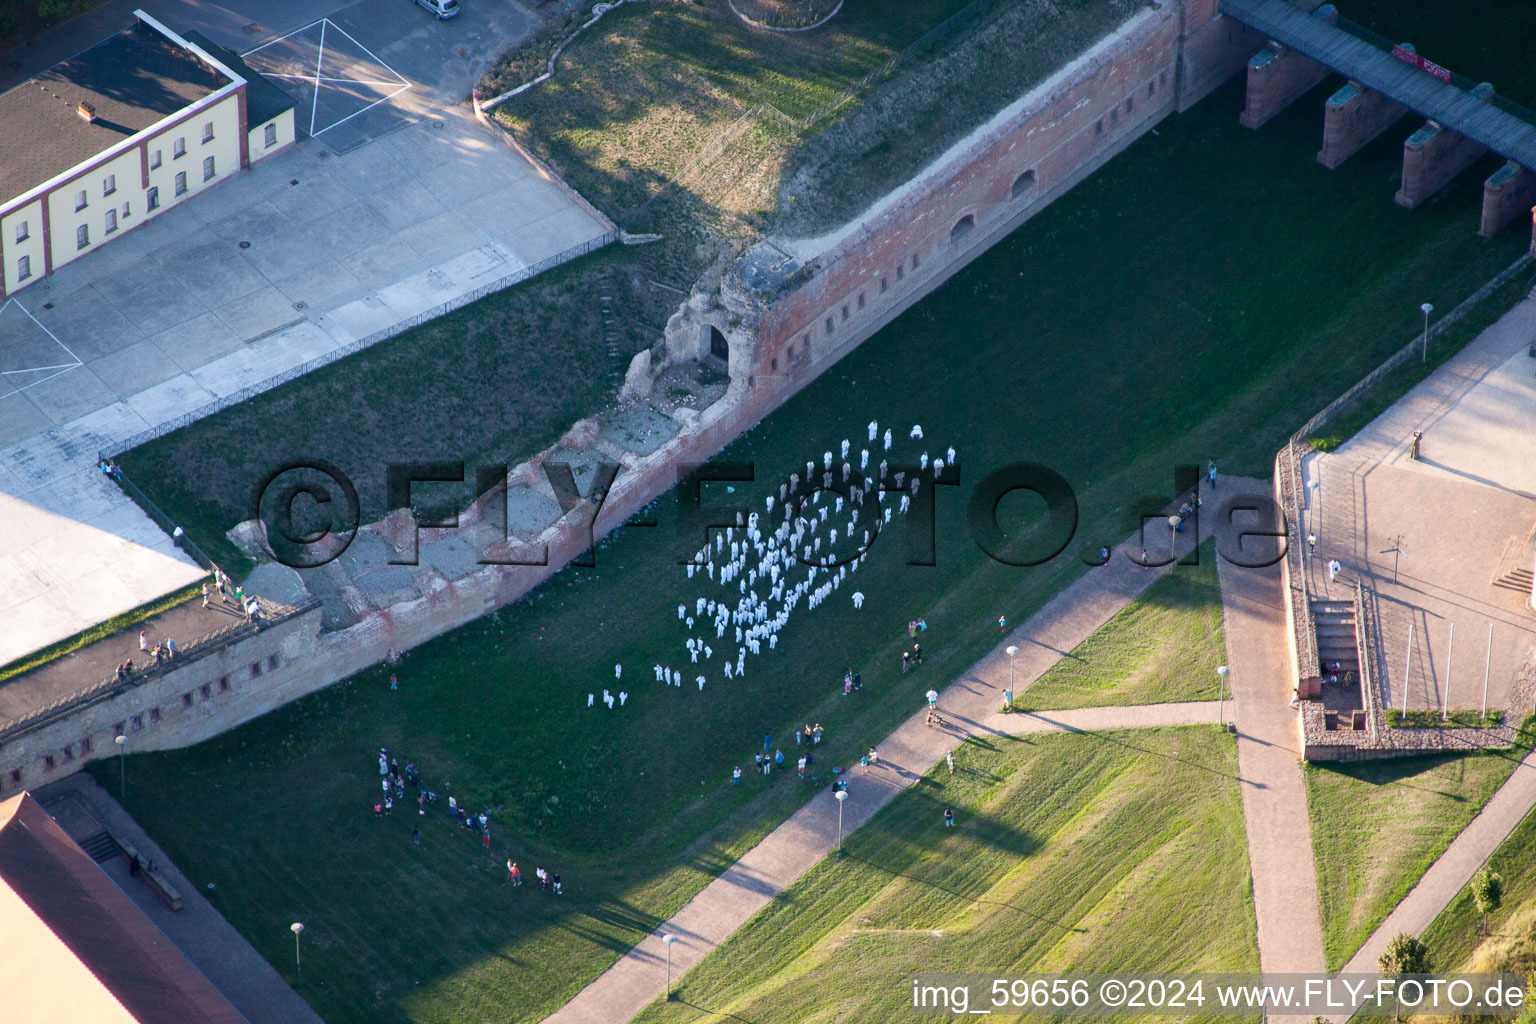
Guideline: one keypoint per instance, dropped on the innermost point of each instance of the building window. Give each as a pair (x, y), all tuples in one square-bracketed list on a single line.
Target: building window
[(899, 272), (119, 728), (207, 168), (208, 131), (255, 669), (223, 684), (1023, 183), (829, 325), (48, 763), (861, 300), (127, 209), (23, 232), (1098, 129), (69, 753), (24, 268), (82, 237), (136, 723), (271, 662), (773, 365), (845, 312), (178, 149), (915, 261), (152, 199), (1130, 104), (85, 745), (885, 283), (269, 136), (1152, 88), (15, 776), (962, 227), (109, 185), (186, 700), (1114, 116), (154, 159), (111, 221), (181, 183), (206, 690), (80, 200), (154, 715)]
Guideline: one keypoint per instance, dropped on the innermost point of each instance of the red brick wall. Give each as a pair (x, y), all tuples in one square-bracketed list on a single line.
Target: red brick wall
[(1066, 130)]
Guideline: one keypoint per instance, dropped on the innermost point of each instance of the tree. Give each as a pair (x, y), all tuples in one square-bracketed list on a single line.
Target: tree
[(1404, 955), (1487, 893)]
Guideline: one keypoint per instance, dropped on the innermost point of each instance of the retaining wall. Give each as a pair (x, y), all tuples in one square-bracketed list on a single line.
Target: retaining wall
[(1030, 154)]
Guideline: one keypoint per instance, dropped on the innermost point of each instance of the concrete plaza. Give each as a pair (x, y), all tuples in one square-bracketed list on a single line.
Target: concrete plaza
[(1431, 536), (307, 252)]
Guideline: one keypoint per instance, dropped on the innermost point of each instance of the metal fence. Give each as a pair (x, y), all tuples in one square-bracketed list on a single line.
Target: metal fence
[(106, 689), (1461, 82), (351, 348)]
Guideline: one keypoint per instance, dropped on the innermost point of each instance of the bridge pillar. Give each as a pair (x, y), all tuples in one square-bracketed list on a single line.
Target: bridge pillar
[(1434, 155), (1507, 194), (1277, 76), (1352, 117)]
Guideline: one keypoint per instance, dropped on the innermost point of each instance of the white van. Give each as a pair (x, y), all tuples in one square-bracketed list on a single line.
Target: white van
[(441, 8)]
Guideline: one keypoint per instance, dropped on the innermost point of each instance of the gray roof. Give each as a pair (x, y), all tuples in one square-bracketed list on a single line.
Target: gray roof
[(133, 79), (263, 99)]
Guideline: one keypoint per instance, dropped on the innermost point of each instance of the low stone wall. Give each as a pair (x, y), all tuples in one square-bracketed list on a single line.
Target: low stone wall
[(198, 695)]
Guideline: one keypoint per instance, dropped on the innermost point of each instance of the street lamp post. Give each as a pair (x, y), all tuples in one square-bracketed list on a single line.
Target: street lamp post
[(667, 940), (1221, 693), (1426, 309), (1012, 650), (842, 795), (122, 766), (298, 963), (1173, 536)]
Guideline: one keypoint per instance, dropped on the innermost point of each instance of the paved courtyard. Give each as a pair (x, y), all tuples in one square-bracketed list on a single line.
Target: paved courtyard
[(307, 252), (1433, 535)]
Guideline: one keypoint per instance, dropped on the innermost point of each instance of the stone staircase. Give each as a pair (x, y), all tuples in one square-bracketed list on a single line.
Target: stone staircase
[(1336, 638), (100, 847)]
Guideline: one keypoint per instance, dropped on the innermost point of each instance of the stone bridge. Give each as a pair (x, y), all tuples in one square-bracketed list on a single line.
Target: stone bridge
[(1386, 82)]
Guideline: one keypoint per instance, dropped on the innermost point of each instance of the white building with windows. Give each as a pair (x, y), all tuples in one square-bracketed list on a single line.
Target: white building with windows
[(110, 138)]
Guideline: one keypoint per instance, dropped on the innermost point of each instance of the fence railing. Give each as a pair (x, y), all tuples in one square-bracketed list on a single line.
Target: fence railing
[(105, 689), (353, 347), (1460, 81)]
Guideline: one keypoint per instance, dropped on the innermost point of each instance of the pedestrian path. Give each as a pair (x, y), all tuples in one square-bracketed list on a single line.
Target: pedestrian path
[(1447, 876), (1275, 817), (971, 706)]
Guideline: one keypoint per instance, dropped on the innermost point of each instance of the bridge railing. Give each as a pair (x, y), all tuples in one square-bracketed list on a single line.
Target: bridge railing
[(1460, 81)]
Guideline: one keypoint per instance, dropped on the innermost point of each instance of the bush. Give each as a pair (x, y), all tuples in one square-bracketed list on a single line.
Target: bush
[(48, 10), (1405, 954)]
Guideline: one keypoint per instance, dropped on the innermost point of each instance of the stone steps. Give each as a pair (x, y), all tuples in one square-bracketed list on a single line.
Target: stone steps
[(100, 847)]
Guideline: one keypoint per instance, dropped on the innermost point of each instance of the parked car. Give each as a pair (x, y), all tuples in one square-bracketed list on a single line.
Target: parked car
[(441, 8)]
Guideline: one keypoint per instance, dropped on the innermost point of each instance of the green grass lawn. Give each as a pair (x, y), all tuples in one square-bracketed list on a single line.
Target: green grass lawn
[(636, 98), (1164, 646), (1112, 851), (1159, 314), (1377, 826), (1460, 940)]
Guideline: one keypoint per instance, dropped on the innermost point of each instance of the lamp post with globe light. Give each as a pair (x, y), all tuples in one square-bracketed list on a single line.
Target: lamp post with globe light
[(842, 795), (122, 766), (298, 963), (1426, 309), (1011, 650), (667, 940), (1221, 693)]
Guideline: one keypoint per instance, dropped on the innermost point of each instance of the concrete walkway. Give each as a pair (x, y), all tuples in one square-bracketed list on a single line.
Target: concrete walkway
[(1275, 816), (970, 705), (198, 929), (1447, 876)]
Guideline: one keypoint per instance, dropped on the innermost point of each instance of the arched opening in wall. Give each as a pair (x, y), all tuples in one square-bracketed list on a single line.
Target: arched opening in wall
[(1023, 183), (962, 227), (717, 346)]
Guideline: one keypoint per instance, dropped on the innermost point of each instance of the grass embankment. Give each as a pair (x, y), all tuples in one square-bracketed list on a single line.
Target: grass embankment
[(637, 98), (1431, 719), (1128, 328), (1163, 646), (1111, 851), (1461, 940), (1377, 826)]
